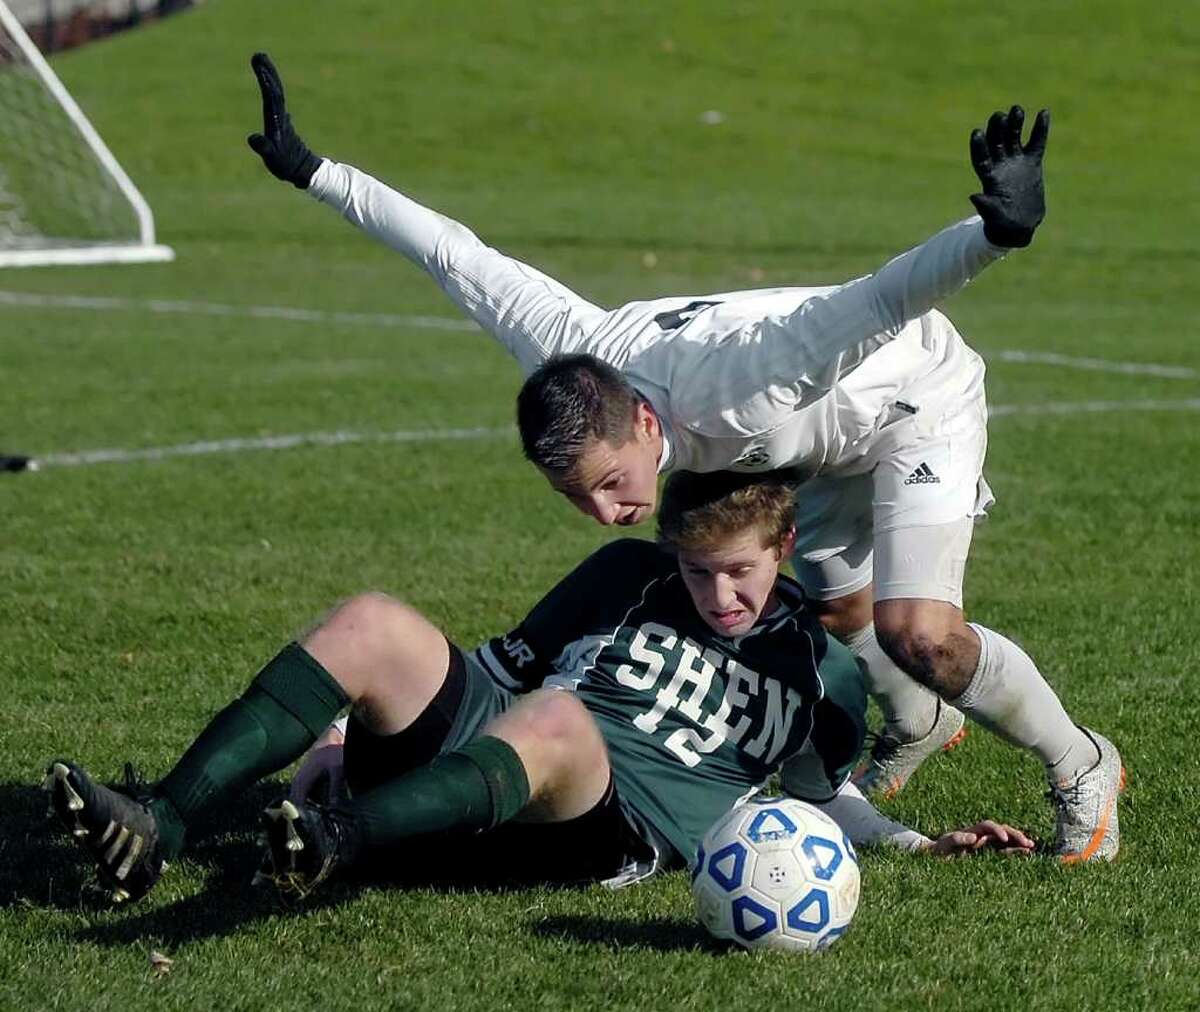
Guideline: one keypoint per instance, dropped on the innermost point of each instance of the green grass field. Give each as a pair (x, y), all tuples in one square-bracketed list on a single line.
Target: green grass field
[(138, 595)]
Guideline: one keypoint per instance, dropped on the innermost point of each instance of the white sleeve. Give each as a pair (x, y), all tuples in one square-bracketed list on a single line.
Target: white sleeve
[(913, 283), (865, 825), (751, 382), (880, 304), (530, 314), (383, 213)]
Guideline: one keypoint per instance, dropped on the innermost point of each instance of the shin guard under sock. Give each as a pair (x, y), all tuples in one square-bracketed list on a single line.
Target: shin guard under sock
[(475, 787), (287, 706)]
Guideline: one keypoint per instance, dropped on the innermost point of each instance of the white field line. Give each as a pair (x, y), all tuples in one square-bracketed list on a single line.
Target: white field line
[(1091, 407), (103, 303), (98, 303), (86, 458), (211, 446), (1093, 364)]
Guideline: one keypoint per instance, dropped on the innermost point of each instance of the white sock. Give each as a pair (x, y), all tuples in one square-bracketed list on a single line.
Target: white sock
[(909, 709), (1009, 696)]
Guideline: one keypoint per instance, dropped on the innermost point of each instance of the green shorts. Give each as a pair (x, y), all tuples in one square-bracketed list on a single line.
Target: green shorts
[(611, 843)]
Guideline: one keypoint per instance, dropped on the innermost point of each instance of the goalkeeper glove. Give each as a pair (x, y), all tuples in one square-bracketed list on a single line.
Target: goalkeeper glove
[(1013, 201), (284, 154)]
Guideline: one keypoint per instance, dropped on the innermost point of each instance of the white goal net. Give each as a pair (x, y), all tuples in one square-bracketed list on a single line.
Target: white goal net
[(64, 199)]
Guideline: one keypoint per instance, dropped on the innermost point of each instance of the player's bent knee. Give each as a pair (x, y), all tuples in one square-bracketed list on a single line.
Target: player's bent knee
[(563, 751), (553, 733), (375, 610), (930, 645), (376, 622), (362, 612), (915, 652), (559, 717), (373, 641)]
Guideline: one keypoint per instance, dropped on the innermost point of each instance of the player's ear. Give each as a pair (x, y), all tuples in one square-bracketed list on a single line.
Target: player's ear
[(787, 544), (645, 421)]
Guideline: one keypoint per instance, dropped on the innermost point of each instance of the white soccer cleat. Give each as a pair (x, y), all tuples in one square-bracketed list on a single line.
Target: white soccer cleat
[(892, 762), (1086, 825)]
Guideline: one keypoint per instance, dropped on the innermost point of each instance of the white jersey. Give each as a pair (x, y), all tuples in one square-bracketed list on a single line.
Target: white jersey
[(805, 378)]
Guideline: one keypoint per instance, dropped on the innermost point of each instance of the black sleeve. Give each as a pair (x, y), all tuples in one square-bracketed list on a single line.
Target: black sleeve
[(589, 600), (839, 728)]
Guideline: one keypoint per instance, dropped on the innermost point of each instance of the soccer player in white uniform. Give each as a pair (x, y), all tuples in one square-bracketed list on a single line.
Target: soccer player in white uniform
[(863, 389)]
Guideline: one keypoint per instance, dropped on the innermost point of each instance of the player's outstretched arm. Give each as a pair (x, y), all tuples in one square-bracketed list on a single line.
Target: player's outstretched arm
[(284, 154), (1013, 201), (867, 826), (523, 309), (877, 306), (1011, 206)]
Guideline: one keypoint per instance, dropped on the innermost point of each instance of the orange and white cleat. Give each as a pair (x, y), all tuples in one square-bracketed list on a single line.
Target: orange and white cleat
[(892, 762), (1087, 827)]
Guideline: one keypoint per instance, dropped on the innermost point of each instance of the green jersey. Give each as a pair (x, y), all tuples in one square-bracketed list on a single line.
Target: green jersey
[(693, 721)]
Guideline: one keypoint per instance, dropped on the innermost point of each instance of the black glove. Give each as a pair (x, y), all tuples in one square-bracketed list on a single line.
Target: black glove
[(282, 151), (1013, 202)]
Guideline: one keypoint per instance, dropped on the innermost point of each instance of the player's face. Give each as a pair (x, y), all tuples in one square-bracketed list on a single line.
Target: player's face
[(618, 484), (733, 585)]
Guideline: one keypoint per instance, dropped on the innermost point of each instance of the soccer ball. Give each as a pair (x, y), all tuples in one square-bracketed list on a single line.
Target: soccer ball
[(776, 873)]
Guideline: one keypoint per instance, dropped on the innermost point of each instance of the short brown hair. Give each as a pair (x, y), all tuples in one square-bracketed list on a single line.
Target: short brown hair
[(700, 511), (568, 402)]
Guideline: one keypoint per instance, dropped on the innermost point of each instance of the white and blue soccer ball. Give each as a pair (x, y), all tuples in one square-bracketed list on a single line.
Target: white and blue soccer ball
[(776, 873)]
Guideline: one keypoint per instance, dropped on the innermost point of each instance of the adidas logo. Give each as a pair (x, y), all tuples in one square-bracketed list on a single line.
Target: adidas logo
[(922, 476)]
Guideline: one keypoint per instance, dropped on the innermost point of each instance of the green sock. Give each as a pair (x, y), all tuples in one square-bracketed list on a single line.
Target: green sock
[(285, 709), (475, 787)]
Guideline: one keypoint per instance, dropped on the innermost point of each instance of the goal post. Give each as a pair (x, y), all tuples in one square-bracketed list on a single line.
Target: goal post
[(64, 198)]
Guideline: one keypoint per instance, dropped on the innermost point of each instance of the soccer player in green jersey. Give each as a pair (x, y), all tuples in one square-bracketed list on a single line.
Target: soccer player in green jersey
[(653, 688)]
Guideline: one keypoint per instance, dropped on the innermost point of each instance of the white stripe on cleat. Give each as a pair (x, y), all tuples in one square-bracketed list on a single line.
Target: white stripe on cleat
[(111, 854), (135, 848)]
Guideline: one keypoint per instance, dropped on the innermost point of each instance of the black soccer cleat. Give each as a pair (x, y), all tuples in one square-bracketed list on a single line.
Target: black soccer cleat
[(117, 830), (303, 845)]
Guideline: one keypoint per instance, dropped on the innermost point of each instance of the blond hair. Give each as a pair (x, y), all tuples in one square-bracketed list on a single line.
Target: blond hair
[(699, 512)]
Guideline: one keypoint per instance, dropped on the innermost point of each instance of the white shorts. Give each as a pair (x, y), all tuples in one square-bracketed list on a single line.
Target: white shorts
[(905, 525)]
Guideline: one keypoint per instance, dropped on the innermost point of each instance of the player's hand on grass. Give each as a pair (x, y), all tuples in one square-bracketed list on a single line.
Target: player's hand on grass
[(985, 835), (1013, 201), (282, 151), (321, 776)]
